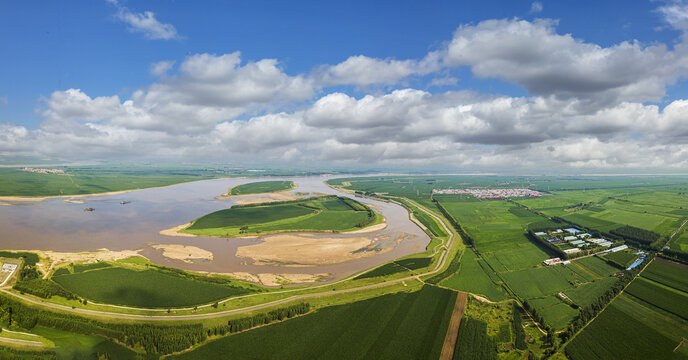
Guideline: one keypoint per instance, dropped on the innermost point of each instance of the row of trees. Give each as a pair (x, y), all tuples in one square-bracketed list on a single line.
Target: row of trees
[(641, 235), (155, 339), (237, 325), (43, 288), (517, 327), (8, 353)]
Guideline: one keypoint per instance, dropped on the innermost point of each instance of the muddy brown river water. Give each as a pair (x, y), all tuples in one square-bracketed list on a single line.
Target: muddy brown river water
[(66, 227)]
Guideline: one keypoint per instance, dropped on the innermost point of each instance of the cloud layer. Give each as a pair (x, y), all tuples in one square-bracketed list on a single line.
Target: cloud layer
[(587, 106)]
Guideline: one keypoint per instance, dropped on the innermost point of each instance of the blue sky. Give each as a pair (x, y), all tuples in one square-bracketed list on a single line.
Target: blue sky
[(51, 47)]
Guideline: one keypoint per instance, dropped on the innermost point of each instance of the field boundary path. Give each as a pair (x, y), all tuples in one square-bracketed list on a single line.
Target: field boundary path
[(453, 329), (117, 315)]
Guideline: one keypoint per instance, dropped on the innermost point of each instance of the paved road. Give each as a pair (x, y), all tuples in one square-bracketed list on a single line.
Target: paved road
[(21, 342), (115, 315)]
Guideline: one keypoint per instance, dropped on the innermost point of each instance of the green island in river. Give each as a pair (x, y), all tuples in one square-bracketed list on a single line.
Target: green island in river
[(314, 214)]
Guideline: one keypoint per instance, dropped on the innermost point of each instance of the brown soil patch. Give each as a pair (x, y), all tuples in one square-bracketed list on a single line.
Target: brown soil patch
[(673, 263), (306, 250), (453, 330)]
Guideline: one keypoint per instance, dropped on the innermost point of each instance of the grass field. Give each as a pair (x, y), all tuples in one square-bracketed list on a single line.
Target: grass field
[(70, 345), (148, 288), (673, 275), (472, 278), (313, 214), (97, 179), (261, 187), (403, 325)]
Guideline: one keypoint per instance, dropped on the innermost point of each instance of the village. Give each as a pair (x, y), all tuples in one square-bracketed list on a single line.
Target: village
[(491, 193), (43, 171)]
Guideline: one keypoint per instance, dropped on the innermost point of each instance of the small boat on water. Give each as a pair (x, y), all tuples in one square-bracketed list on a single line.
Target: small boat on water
[(124, 202), (89, 209)]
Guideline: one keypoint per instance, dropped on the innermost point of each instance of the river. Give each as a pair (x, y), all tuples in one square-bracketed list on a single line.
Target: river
[(62, 226)]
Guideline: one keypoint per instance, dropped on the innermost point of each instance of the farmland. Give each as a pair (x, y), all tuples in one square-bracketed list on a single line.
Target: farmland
[(401, 325), (473, 278), (607, 337), (328, 213), (261, 187), (585, 295), (555, 313), (669, 274), (473, 342), (397, 266), (651, 314), (147, 288)]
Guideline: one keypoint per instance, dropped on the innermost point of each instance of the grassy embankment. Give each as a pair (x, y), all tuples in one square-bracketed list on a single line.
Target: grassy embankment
[(319, 214)]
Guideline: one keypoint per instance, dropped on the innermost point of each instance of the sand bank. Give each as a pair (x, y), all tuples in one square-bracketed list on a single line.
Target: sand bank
[(175, 231), (305, 250), (369, 229), (184, 253), (268, 279)]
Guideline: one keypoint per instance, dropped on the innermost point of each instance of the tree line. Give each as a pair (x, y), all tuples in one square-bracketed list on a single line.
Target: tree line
[(637, 234), (154, 339)]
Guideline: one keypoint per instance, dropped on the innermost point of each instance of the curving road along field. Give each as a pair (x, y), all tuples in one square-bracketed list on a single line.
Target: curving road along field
[(115, 315)]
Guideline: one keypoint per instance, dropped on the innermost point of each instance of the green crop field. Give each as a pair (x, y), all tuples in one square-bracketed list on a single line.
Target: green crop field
[(596, 265), (673, 275), (538, 282), (591, 222), (472, 278), (148, 288), (680, 242), (473, 342), (402, 325), (555, 313), (312, 214), (621, 258), (585, 294), (614, 334), (387, 269), (84, 267), (665, 298), (397, 266), (261, 187)]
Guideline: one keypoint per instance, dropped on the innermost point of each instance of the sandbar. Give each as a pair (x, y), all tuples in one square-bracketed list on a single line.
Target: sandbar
[(306, 250), (183, 252), (369, 229), (175, 231)]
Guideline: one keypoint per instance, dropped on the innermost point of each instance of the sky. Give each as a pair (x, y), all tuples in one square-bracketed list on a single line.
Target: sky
[(451, 85)]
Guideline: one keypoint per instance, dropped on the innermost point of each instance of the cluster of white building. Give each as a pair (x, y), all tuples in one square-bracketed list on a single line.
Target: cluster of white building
[(43, 171), (491, 193), (8, 268)]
